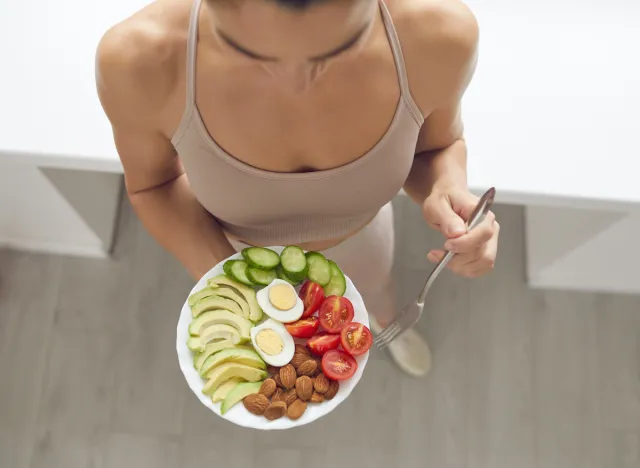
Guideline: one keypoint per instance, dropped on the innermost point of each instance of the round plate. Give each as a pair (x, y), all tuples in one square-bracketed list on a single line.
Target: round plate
[(238, 414)]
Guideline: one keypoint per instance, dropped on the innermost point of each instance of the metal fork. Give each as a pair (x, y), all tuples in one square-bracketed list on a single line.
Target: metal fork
[(410, 315)]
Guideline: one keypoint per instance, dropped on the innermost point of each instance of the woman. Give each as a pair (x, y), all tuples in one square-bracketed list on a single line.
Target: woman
[(274, 122)]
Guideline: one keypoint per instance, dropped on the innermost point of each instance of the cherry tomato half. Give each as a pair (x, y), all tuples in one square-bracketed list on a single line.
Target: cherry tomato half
[(303, 328), (356, 338), (312, 295), (335, 312), (338, 365), (323, 342)]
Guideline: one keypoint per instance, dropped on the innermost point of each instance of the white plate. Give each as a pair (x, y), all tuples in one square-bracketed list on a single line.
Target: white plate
[(238, 414)]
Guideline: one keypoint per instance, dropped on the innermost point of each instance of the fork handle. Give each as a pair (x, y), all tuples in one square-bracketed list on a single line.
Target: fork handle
[(477, 216)]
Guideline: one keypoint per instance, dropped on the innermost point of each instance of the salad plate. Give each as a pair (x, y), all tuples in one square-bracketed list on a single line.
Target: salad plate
[(273, 338)]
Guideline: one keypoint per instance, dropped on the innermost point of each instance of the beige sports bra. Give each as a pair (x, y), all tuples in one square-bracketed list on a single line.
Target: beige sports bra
[(273, 208)]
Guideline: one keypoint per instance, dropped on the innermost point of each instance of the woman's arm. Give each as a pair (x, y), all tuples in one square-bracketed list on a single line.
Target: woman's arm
[(133, 92), (174, 217), (438, 182), (441, 159), (443, 58), (438, 178)]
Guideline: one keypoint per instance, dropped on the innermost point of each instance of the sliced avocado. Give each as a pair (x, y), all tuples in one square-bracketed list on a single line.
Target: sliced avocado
[(225, 388), (221, 316), (198, 344), (239, 392), (210, 349), (229, 370), (194, 344), (220, 331), (241, 356), (198, 296), (229, 293), (255, 312), (214, 303)]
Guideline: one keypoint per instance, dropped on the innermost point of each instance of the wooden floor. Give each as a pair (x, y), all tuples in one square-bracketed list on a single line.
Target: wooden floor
[(89, 376)]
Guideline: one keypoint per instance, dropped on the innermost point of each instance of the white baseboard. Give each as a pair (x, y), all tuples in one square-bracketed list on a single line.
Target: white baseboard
[(542, 284), (56, 248)]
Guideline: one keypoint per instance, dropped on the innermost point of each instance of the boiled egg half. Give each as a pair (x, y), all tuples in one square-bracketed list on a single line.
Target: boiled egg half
[(280, 301), (273, 343)]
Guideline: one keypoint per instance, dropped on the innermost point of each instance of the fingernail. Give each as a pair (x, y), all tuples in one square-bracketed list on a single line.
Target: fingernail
[(450, 246)]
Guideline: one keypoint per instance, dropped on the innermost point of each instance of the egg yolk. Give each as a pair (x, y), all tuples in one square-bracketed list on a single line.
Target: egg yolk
[(269, 342), (282, 296)]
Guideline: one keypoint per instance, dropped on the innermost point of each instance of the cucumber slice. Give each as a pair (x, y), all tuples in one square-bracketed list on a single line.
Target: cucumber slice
[(227, 267), (319, 271), (337, 284), (238, 272), (261, 277), (283, 276), (261, 258), (294, 263)]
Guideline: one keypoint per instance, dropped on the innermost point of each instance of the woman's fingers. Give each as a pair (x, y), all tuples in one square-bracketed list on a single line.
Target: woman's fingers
[(473, 239), (476, 262)]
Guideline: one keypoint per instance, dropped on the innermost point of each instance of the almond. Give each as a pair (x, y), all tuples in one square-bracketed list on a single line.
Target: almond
[(278, 395), (276, 379), (302, 349), (256, 403), (304, 387), (275, 410), (317, 397), (334, 386), (268, 388), (308, 367), (298, 359), (290, 396), (288, 376), (321, 383), (273, 370), (297, 409)]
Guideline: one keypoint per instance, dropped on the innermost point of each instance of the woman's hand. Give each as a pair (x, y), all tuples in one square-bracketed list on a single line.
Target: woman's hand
[(447, 209)]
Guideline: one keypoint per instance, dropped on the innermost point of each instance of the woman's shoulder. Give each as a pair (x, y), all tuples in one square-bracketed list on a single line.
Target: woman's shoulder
[(439, 41), (141, 55)]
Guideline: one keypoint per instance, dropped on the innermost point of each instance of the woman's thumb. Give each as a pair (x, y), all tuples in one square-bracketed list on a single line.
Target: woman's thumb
[(454, 225), (440, 213)]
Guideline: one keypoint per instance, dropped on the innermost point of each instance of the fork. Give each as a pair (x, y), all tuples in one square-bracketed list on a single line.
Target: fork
[(410, 315)]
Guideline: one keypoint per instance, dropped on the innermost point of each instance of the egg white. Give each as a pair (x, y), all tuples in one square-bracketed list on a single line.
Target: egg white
[(283, 357), (284, 316)]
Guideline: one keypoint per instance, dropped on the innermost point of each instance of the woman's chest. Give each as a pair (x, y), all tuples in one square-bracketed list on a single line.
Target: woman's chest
[(328, 127)]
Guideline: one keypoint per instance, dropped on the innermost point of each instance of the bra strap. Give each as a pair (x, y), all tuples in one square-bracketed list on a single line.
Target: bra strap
[(398, 58), (192, 47)]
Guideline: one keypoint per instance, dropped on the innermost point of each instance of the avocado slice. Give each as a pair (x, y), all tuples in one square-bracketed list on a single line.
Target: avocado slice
[(223, 281), (210, 349), (229, 293), (221, 316), (224, 335), (214, 303), (195, 344), (220, 331), (225, 388), (239, 392), (198, 296), (229, 370), (241, 356)]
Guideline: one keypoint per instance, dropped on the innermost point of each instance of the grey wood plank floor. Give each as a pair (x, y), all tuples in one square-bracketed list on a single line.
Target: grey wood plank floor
[(521, 378)]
